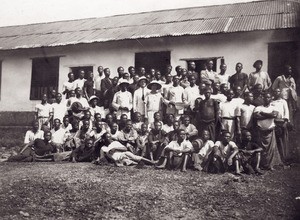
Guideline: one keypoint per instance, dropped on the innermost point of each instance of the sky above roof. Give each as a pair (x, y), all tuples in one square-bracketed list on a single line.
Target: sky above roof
[(19, 12)]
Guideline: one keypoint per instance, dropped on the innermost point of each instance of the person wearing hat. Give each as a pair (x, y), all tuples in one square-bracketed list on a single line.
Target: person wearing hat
[(153, 101), (122, 101), (94, 108), (259, 77), (175, 99), (139, 96)]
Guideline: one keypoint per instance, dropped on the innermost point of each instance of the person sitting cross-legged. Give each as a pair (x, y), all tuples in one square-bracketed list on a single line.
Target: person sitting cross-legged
[(180, 148), (224, 156), (249, 154)]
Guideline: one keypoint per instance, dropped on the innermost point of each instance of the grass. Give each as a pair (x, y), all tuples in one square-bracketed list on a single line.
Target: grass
[(12, 136), (86, 191)]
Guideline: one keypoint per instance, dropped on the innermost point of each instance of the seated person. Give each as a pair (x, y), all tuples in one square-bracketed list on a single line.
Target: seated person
[(157, 118), (33, 133), (168, 127), (84, 131), (118, 153), (224, 155), (201, 151), (66, 125), (190, 129), (249, 154), (109, 119), (37, 150), (105, 126), (127, 136), (180, 148), (70, 140), (114, 131), (137, 123), (157, 140), (84, 153), (58, 136), (122, 122), (87, 116), (142, 140), (172, 136)]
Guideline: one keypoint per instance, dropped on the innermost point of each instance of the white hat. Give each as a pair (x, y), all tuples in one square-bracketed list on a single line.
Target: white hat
[(93, 97), (154, 82), (123, 81)]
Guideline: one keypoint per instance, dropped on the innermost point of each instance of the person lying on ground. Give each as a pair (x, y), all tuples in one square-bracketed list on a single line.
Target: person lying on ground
[(182, 147), (119, 154)]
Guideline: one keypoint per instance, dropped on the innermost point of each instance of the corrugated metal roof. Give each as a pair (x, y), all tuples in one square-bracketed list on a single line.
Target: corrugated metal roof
[(260, 15)]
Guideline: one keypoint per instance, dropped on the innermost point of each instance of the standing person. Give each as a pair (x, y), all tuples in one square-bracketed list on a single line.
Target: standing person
[(208, 74), (207, 115), (97, 81), (222, 77), (139, 97), (178, 70), (58, 135), (43, 112), (239, 78), (191, 93), (121, 72), (167, 85), (175, 99), (80, 98), (228, 114), (33, 133), (281, 129), (286, 83), (244, 115), (89, 85), (153, 101), (184, 80), (69, 85), (80, 81), (122, 101), (192, 71), (142, 71), (94, 108), (134, 85), (265, 116), (131, 71), (106, 83), (59, 108), (259, 77), (217, 94), (258, 98), (110, 92)]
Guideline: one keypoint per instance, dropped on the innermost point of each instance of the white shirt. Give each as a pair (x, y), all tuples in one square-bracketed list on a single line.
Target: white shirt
[(43, 110), (153, 102), (185, 145), (97, 109), (59, 110), (226, 150), (122, 99), (281, 106), (58, 136), (223, 79), (138, 103), (69, 86), (219, 97), (190, 95), (268, 123), (260, 78), (79, 83), (207, 147), (228, 109), (191, 129), (97, 82), (30, 136), (167, 128)]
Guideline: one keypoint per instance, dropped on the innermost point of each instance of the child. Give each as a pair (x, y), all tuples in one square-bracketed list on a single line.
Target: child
[(153, 101), (180, 148), (202, 149), (84, 153), (142, 140), (190, 129), (249, 154), (137, 121)]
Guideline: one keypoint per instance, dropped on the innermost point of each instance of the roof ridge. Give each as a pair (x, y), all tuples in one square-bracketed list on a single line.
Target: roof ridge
[(145, 12)]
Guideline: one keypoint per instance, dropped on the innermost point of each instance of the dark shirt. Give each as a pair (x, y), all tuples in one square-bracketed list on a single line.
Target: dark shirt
[(109, 96), (240, 79), (41, 147), (89, 87), (132, 87), (258, 101), (157, 136), (208, 110)]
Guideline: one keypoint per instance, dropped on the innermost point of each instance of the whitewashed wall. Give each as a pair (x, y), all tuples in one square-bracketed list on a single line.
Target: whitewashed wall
[(238, 47)]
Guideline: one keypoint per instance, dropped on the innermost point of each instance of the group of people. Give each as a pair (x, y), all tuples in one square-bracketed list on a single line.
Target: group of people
[(207, 121)]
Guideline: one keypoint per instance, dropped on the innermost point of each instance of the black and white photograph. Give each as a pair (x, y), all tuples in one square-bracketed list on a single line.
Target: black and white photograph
[(148, 109)]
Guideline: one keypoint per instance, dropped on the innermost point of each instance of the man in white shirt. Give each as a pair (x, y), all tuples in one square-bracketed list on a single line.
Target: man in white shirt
[(58, 135), (34, 133), (122, 101), (259, 77), (139, 97), (80, 81), (97, 81), (43, 112), (59, 108), (191, 93)]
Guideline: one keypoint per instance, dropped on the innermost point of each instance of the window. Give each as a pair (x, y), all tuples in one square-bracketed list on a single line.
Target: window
[(76, 70), (44, 77), (155, 60), (201, 63)]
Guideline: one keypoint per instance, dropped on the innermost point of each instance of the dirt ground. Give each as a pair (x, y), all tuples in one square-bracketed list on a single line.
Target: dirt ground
[(87, 191)]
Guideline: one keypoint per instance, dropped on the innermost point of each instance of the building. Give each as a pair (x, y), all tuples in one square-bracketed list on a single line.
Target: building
[(36, 58)]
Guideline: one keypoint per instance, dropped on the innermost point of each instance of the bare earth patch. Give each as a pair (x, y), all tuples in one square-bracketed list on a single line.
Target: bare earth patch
[(86, 191)]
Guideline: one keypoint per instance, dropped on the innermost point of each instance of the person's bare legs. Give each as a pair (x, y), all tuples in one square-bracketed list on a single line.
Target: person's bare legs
[(185, 158)]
